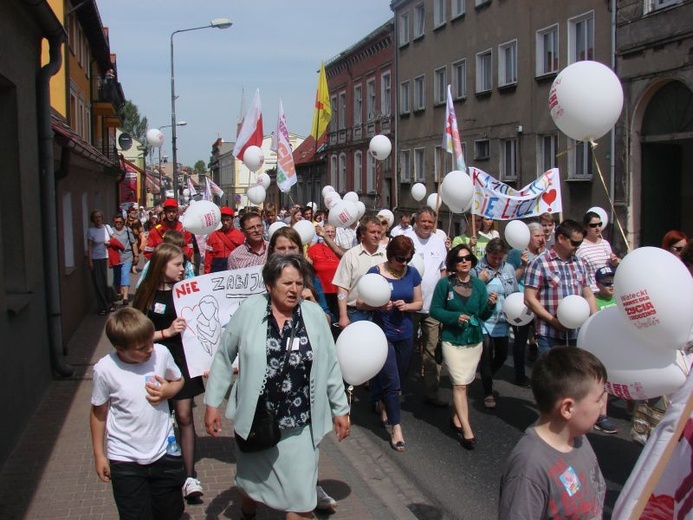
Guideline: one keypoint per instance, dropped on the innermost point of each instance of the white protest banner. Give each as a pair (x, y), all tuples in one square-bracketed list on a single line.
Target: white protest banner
[(495, 199), (207, 303)]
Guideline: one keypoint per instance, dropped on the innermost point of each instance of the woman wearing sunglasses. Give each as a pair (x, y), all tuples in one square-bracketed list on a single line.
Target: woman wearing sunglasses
[(595, 250), (674, 241), (461, 302), (395, 319)]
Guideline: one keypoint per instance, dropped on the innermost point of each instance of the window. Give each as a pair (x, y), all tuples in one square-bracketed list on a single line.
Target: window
[(404, 166), (358, 105), (653, 5), (459, 79), (358, 170), (333, 120), (508, 158), (333, 171), (385, 93), (341, 115), (370, 99), (342, 185), (547, 50), (581, 38), (580, 159), (440, 85), (507, 63), (403, 29), (68, 232), (479, 3), (442, 164), (419, 93), (370, 174), (547, 148), (484, 71), (438, 13), (419, 164), (419, 21), (404, 98), (482, 150), (456, 8)]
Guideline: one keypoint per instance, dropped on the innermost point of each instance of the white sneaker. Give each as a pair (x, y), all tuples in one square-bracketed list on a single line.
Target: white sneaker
[(325, 501), (192, 488)]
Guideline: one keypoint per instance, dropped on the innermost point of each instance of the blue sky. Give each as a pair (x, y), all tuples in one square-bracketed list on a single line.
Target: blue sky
[(273, 45)]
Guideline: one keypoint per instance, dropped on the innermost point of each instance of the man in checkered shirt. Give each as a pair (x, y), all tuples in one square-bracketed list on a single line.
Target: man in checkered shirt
[(553, 275)]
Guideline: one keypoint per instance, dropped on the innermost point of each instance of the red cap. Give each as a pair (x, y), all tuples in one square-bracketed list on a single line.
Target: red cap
[(225, 210), (170, 203)]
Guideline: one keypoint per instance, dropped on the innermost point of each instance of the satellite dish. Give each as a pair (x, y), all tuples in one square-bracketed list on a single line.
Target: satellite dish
[(125, 141)]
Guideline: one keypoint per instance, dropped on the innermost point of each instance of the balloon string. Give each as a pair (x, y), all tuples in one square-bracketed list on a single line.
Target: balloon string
[(449, 223), (350, 396), (608, 196)]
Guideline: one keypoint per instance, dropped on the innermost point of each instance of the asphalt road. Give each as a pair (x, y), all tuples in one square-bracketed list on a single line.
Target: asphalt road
[(461, 484)]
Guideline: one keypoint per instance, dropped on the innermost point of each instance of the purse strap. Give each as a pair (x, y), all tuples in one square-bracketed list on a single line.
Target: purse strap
[(285, 368)]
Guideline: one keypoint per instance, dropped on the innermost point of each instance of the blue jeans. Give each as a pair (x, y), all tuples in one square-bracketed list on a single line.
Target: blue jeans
[(387, 384), (546, 343), (355, 314)]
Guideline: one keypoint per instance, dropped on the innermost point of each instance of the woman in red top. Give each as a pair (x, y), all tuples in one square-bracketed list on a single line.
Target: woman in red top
[(325, 263)]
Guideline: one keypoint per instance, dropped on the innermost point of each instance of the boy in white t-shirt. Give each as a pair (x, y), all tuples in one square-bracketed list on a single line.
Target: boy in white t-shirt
[(130, 422)]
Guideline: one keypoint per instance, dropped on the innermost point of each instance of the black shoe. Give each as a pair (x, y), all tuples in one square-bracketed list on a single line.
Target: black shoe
[(456, 428), (468, 444), (523, 382)]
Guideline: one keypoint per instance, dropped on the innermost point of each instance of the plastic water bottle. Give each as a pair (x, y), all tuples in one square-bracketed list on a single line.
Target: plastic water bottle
[(172, 448)]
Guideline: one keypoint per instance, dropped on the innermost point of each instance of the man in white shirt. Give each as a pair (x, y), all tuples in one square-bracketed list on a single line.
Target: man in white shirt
[(403, 227)]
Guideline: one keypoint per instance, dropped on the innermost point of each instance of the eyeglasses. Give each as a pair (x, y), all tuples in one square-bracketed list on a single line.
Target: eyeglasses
[(595, 224), (678, 249), (402, 259), (606, 284), (575, 243), (464, 258)]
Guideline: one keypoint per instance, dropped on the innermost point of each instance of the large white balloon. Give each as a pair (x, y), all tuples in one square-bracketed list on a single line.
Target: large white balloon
[(380, 147), (434, 201), (517, 234), (264, 180), (343, 214), (374, 290), (602, 214), (312, 205), (201, 218), (634, 369), (306, 230), (516, 312), (351, 195), (327, 189), (418, 191), (274, 226), (361, 351), (442, 234), (585, 100), (573, 311), (155, 137), (388, 215), (361, 209), (457, 190), (331, 199), (253, 158), (654, 292), (417, 261), (256, 194)]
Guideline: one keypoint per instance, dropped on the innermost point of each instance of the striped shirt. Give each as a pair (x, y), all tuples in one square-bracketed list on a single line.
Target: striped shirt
[(243, 256), (595, 255)]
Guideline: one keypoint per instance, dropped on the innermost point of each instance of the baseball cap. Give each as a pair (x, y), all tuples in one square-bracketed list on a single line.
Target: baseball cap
[(604, 272), (170, 203), (225, 210)]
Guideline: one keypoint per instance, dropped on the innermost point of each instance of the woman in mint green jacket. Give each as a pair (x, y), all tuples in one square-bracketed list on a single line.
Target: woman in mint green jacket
[(307, 396), (460, 302)]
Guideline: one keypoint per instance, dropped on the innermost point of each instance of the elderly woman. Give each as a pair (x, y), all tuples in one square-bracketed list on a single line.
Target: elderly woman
[(287, 363), (460, 302)]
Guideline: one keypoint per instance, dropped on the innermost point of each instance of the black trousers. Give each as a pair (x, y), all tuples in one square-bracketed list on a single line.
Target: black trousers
[(100, 282), (493, 355)]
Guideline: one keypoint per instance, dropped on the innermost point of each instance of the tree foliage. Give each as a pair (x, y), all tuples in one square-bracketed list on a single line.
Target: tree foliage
[(133, 123), (200, 167)]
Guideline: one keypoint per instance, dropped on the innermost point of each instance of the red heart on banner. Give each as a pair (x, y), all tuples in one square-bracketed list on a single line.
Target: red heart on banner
[(549, 196)]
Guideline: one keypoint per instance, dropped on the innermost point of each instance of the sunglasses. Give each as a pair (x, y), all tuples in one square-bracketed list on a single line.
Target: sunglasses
[(574, 243), (606, 284), (464, 258), (678, 249), (403, 259), (595, 224)]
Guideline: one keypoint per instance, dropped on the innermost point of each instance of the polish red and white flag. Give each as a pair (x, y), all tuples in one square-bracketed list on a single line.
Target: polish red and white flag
[(251, 132)]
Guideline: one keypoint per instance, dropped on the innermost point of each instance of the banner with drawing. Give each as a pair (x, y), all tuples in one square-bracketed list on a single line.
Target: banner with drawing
[(495, 199), (207, 303)]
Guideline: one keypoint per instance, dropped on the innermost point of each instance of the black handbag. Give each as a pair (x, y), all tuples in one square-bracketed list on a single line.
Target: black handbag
[(264, 432)]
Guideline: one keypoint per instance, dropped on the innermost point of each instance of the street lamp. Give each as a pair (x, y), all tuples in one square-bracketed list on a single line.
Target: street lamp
[(217, 23), (161, 176)]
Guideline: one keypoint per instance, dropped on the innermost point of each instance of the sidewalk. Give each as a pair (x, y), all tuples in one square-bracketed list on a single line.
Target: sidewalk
[(50, 474)]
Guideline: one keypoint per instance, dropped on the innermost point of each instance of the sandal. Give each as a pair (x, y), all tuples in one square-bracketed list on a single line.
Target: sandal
[(398, 446), (490, 402)]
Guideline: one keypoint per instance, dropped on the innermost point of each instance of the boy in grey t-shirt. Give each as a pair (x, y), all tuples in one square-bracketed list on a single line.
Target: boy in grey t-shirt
[(553, 471)]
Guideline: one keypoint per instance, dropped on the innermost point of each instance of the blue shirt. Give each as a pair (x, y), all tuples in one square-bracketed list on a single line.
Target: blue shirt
[(502, 282), (396, 324)]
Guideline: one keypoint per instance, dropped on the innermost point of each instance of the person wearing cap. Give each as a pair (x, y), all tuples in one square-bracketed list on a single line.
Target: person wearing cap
[(221, 243), (605, 287), (169, 222)]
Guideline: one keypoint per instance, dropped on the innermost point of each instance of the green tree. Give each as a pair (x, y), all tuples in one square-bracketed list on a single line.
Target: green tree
[(133, 123), (200, 167)]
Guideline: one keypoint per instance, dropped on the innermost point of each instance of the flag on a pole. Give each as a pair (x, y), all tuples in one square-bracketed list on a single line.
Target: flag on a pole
[(323, 110), (241, 114), (451, 137), (191, 187), (216, 190), (251, 131), (286, 170)]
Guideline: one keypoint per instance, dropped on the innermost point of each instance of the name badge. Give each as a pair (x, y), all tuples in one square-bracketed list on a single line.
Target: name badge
[(392, 286), (159, 308), (450, 296), (296, 344)]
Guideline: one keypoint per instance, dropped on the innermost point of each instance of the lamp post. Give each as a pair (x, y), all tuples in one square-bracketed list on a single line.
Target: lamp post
[(161, 176), (217, 23)]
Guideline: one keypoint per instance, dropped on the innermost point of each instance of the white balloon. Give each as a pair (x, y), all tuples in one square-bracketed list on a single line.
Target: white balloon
[(418, 191), (202, 218), (457, 190), (361, 351), (433, 201), (417, 262), (634, 369), (602, 214), (256, 194), (264, 180), (155, 137), (351, 195), (517, 234), (274, 226), (327, 189), (361, 207), (441, 234), (306, 229), (380, 147), (516, 312), (331, 199), (343, 214), (388, 215), (654, 292), (585, 100), (253, 158), (573, 311), (374, 290), (313, 206)]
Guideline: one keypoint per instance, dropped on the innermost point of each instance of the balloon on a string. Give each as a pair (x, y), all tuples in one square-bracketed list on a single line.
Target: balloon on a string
[(573, 311), (603, 215), (351, 195), (306, 229), (274, 226), (186, 192), (331, 199), (327, 189), (457, 190), (517, 234), (361, 209), (418, 191), (253, 158), (361, 351), (434, 201), (155, 137), (264, 180), (516, 312), (312, 205), (374, 290), (256, 194), (343, 214), (380, 147), (417, 262), (585, 100), (388, 215), (201, 218)]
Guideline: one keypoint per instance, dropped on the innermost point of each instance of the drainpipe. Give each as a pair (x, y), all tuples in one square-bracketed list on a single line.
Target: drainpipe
[(49, 222), (612, 139), (395, 115)]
